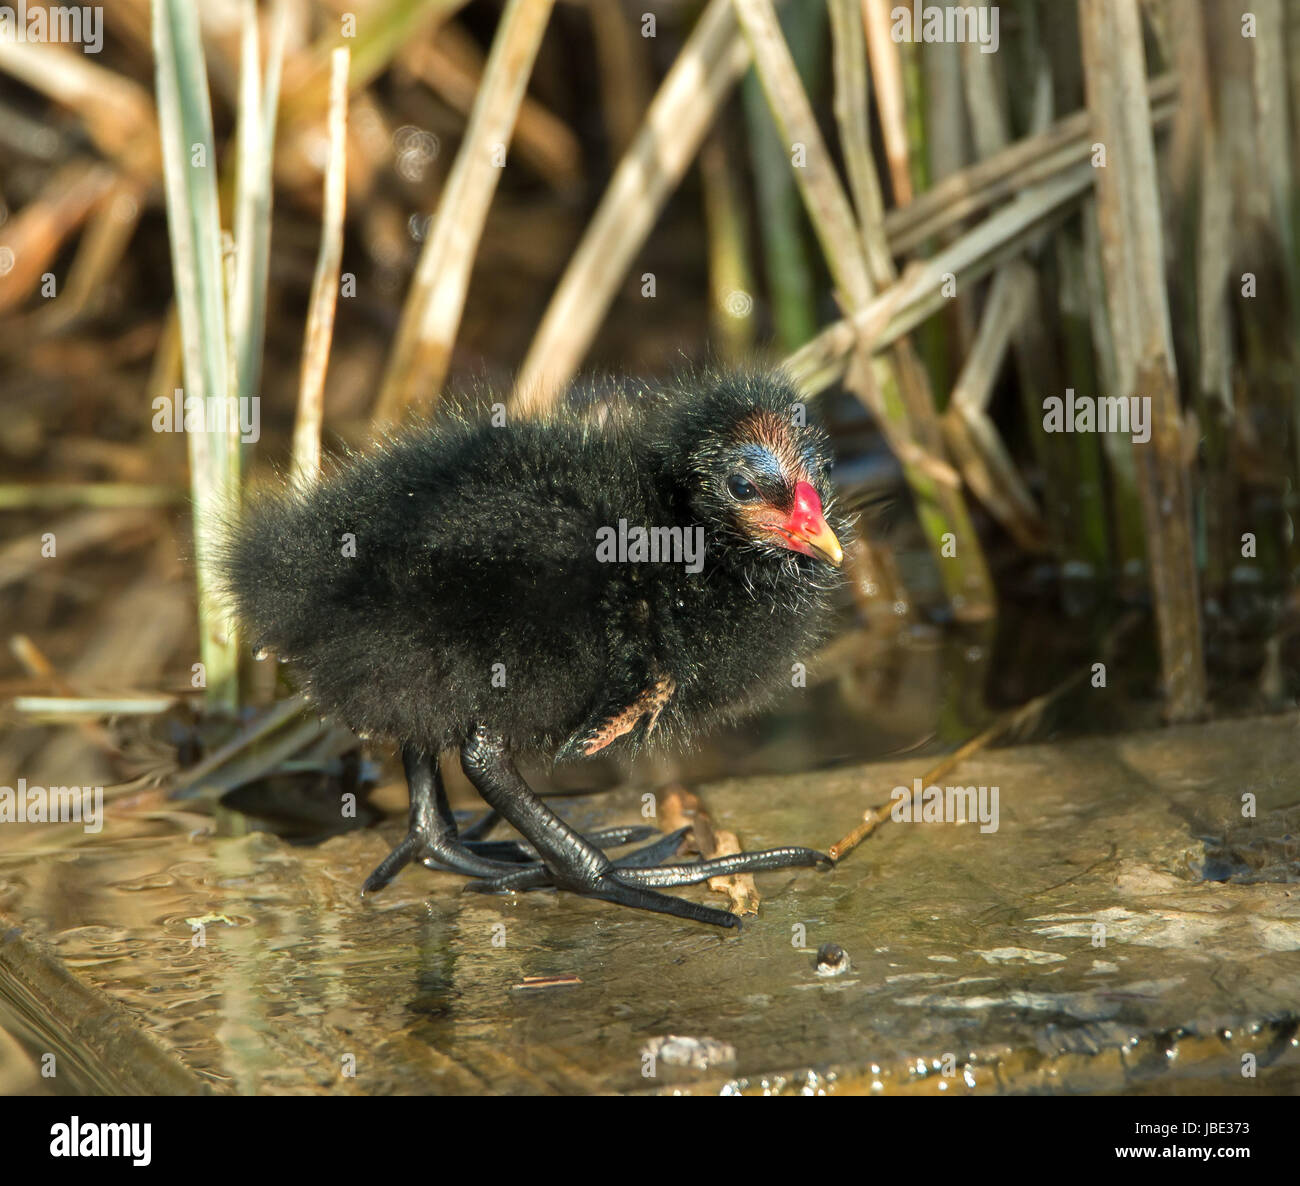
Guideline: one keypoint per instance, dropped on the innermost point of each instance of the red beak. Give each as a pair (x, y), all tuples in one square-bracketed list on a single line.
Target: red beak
[(806, 530)]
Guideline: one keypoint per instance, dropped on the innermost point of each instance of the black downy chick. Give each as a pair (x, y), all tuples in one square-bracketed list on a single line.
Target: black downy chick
[(463, 587)]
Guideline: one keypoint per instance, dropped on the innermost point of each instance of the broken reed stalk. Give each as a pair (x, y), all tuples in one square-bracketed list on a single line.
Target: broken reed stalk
[(325, 284), (431, 316), (902, 385), (189, 176), (969, 430), (852, 121), (1128, 208), (898, 392), (704, 71), (1129, 533), (702, 75), (920, 290), (1037, 367), (1005, 173)]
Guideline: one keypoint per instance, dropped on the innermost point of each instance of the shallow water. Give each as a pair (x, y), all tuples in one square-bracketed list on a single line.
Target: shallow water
[(1076, 948)]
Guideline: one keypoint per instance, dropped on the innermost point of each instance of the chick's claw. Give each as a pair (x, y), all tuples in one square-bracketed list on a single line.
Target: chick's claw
[(611, 886)]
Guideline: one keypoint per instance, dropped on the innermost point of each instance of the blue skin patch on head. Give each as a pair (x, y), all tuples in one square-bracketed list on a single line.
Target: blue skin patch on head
[(762, 461), (777, 486), (762, 466)]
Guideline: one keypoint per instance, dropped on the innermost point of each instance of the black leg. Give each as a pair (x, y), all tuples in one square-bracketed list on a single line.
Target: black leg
[(431, 836), (488, 765), (574, 864)]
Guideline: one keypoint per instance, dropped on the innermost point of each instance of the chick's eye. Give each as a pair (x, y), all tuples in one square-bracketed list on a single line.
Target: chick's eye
[(741, 489)]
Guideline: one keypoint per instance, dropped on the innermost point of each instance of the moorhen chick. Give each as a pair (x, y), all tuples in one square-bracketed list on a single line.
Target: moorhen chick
[(554, 587)]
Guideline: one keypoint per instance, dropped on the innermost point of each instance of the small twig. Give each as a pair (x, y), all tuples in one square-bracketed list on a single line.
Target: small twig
[(1011, 721), (682, 808), (36, 662), (549, 981)]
